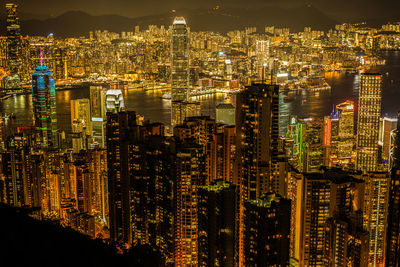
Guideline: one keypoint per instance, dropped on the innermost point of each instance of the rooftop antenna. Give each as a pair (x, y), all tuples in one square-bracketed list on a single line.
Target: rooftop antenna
[(41, 57)]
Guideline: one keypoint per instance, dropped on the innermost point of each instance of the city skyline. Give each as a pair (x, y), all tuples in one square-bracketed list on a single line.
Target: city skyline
[(163, 145)]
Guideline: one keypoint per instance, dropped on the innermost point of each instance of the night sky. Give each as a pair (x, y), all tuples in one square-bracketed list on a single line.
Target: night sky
[(337, 9)]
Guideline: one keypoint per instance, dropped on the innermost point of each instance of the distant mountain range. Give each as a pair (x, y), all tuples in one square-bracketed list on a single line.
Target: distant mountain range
[(78, 23)]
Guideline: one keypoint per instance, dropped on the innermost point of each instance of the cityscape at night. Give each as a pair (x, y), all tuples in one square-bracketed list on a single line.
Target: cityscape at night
[(183, 133)]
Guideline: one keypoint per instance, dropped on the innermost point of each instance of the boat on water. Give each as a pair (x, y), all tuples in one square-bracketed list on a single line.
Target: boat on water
[(316, 84), (166, 96), (288, 98)]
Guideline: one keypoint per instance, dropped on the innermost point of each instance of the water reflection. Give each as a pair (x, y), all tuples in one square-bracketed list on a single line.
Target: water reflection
[(303, 104)]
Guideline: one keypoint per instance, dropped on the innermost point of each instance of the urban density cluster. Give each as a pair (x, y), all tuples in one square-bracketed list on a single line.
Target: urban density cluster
[(202, 191)]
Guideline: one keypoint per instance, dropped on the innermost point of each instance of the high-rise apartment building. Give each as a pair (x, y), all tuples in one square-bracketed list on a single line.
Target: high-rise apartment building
[(119, 125), (201, 129), (345, 132), (98, 112), (223, 151), (387, 125), (188, 177), (44, 108), (375, 214), (139, 183), (151, 190), (328, 195), (369, 112), (218, 222), (257, 136), (267, 231), (392, 256)]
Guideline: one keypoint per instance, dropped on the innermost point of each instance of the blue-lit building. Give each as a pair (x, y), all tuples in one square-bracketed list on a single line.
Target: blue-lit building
[(44, 108)]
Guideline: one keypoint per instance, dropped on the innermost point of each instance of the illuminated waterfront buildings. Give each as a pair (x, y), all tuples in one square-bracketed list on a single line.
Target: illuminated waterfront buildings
[(369, 112), (44, 108)]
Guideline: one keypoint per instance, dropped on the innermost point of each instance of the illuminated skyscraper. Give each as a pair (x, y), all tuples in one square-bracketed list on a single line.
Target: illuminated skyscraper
[(218, 213), (322, 196), (80, 111), (346, 132), (187, 180), (201, 129), (60, 66), (97, 102), (369, 112), (339, 135), (387, 125), (257, 133), (257, 136), (179, 71), (44, 108), (313, 150), (118, 127), (375, 214), (98, 112), (13, 46), (180, 60), (294, 147), (222, 151), (267, 231), (262, 54), (392, 257)]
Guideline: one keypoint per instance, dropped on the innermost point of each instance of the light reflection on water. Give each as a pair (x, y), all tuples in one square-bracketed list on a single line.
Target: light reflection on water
[(305, 104)]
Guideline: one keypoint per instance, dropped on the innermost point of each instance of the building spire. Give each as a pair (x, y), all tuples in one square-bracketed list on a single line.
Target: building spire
[(41, 57)]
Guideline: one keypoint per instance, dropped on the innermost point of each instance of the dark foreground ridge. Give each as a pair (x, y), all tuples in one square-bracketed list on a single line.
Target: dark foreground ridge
[(25, 241)]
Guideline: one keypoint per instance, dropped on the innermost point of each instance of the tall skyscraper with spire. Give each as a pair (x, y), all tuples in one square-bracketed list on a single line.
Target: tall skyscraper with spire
[(369, 112), (180, 106), (180, 60), (44, 108)]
